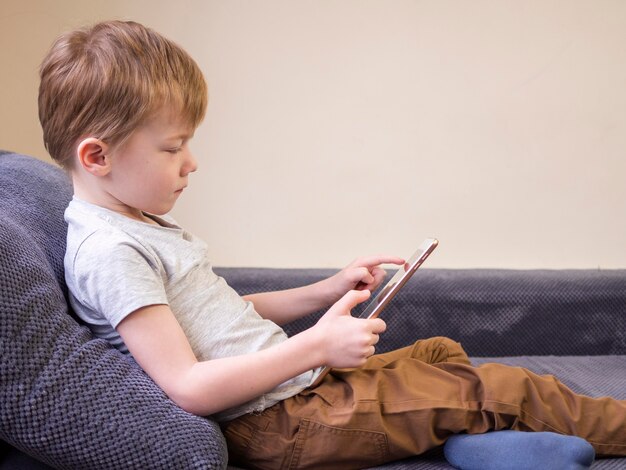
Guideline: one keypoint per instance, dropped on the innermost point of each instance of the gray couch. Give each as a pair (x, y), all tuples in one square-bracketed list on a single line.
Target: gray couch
[(68, 400)]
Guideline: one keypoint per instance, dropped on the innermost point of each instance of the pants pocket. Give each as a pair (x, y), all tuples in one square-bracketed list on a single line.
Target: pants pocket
[(321, 446)]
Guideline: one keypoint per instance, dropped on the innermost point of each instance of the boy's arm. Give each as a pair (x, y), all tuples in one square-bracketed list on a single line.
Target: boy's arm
[(285, 306), (158, 344)]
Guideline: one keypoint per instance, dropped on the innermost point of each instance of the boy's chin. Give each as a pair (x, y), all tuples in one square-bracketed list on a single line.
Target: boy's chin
[(160, 210)]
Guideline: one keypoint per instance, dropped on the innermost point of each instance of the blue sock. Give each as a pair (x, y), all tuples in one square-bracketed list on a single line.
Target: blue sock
[(517, 450)]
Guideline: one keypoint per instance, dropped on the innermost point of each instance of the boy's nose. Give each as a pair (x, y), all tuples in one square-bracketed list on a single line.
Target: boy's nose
[(191, 164)]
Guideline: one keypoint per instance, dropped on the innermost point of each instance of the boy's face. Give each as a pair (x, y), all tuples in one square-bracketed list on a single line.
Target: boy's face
[(150, 170)]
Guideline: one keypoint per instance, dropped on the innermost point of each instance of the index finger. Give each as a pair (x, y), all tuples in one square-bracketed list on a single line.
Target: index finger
[(375, 260)]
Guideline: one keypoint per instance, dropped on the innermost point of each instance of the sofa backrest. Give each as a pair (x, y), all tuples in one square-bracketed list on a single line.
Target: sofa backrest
[(492, 312)]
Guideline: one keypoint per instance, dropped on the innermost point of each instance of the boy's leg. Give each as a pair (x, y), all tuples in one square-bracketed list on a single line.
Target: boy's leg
[(507, 448), (371, 415), (493, 450)]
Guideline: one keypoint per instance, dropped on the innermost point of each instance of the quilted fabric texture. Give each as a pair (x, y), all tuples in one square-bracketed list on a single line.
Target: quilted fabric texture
[(65, 398)]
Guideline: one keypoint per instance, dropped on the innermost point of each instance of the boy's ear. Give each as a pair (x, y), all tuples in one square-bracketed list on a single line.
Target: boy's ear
[(92, 156)]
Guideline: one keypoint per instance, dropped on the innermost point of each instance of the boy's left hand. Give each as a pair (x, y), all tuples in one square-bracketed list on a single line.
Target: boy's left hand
[(363, 273)]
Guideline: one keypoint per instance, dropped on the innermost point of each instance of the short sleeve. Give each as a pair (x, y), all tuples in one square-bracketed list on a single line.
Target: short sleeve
[(112, 275)]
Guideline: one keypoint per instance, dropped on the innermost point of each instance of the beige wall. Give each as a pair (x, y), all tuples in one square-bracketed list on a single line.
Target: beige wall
[(339, 128)]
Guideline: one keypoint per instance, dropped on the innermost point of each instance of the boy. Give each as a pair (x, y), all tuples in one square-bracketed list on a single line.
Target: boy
[(118, 105)]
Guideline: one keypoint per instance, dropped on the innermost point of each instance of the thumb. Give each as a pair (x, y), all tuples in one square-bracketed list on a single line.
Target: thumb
[(352, 298)]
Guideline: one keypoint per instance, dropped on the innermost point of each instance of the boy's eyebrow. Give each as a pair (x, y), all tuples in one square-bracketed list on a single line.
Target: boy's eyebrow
[(180, 136)]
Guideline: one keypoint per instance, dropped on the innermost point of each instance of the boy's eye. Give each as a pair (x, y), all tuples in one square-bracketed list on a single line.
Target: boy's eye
[(174, 150)]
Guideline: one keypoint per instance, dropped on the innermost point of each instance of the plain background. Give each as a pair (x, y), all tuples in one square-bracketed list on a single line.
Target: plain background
[(349, 127)]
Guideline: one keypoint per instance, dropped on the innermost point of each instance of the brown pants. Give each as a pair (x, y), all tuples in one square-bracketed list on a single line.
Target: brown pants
[(407, 401)]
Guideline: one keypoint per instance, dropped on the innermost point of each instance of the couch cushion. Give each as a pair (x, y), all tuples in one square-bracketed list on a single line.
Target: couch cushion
[(65, 398)]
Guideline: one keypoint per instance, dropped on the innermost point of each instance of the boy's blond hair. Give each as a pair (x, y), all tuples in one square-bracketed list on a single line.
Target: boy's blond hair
[(106, 80)]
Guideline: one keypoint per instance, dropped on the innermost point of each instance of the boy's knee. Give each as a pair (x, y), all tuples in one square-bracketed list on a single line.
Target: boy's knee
[(439, 349)]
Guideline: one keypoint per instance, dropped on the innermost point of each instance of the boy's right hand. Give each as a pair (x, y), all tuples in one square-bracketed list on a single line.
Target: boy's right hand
[(347, 341)]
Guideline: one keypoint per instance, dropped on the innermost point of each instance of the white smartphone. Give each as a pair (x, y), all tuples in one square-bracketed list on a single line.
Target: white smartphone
[(392, 287)]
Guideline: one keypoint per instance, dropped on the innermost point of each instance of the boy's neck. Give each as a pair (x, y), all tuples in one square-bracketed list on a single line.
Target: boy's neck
[(91, 192)]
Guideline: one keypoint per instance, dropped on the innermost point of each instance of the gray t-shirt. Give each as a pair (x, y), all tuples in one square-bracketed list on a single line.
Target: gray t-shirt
[(115, 265)]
